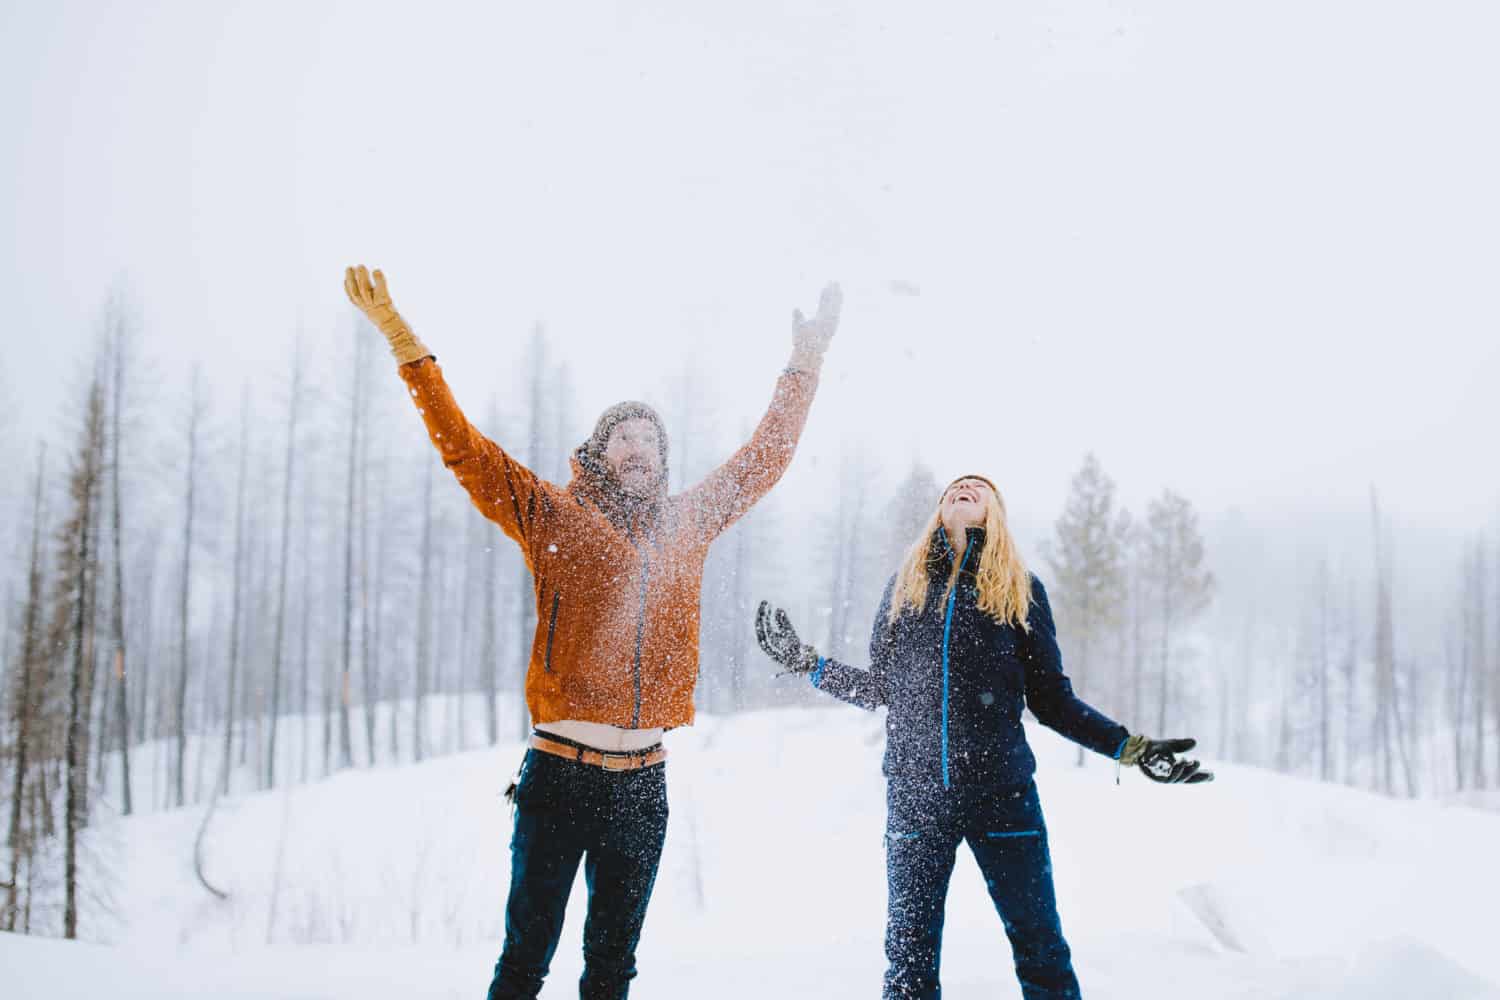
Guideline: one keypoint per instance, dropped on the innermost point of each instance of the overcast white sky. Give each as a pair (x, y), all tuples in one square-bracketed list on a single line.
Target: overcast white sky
[(1247, 251)]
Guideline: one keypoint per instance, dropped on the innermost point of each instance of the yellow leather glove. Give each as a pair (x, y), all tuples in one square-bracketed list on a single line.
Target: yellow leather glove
[(375, 302)]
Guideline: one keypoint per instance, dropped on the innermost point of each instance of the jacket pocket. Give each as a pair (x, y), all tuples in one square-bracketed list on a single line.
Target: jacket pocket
[(551, 630), (894, 838)]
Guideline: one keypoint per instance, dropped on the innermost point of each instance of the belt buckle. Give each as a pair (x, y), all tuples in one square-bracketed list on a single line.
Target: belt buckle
[(627, 762)]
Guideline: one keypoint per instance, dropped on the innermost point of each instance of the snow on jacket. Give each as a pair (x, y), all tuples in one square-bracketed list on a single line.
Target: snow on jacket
[(955, 682), (617, 581)]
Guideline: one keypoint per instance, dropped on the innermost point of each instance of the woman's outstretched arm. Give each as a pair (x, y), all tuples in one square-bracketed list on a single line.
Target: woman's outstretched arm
[(863, 688), (1049, 693)]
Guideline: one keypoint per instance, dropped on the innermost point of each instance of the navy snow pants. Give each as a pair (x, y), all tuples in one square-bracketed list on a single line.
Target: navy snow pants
[(614, 823), (925, 824)]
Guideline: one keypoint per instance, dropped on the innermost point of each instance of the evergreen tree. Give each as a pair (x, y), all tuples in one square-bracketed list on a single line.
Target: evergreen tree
[(1086, 558)]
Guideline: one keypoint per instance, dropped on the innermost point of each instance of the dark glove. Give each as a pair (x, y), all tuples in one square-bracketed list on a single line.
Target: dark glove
[(774, 632), (1158, 761)]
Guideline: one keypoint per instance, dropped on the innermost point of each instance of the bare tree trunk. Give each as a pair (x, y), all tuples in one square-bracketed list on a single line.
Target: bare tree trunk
[(196, 409), (1282, 760), (146, 619), (248, 682), (278, 641), (1351, 670), (92, 673), (1137, 644), (1227, 682), (393, 684), (85, 489), (1494, 661), (1495, 666), (41, 816), (1458, 683), (1480, 668), (25, 705), (122, 703), (1246, 693), (238, 590), (47, 824), (472, 567), (1166, 656), (1325, 764), (1402, 739), (1384, 657), (739, 651), (255, 705), (346, 747), (368, 615), (1458, 672), (206, 712), (424, 621), (328, 681), (836, 598), (443, 635), (382, 548), (308, 592)]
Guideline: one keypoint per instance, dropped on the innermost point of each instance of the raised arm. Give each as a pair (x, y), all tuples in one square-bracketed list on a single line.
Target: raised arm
[(862, 688), (1049, 693), (734, 487), (504, 490)]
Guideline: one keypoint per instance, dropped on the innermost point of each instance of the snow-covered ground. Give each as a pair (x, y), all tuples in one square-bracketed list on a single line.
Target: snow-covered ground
[(390, 883)]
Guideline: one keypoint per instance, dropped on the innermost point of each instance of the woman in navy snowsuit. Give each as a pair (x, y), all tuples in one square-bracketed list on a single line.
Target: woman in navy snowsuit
[(963, 641)]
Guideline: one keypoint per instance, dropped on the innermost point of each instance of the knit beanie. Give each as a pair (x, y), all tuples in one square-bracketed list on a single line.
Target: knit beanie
[(593, 448)]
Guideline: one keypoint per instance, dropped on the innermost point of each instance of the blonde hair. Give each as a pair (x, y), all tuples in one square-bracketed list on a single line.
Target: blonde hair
[(1003, 579)]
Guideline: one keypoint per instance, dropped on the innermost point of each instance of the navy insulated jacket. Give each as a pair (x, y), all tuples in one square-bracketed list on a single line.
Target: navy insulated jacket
[(955, 682)]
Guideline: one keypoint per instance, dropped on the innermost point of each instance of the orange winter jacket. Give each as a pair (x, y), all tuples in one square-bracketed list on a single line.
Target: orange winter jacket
[(617, 582)]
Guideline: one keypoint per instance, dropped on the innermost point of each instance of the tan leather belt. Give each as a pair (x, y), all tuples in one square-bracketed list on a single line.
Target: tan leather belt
[(598, 758)]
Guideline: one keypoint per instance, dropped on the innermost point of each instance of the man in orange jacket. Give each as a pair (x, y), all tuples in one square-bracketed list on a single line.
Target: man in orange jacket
[(617, 566)]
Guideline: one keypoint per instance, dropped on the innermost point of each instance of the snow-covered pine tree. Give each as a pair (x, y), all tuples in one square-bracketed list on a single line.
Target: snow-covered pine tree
[(1179, 583), (1086, 557)]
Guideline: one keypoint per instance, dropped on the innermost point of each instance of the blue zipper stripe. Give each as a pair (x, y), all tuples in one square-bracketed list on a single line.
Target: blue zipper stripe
[(993, 835), (947, 636)]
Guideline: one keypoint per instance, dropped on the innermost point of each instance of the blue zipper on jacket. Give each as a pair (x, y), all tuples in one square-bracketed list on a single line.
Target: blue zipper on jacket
[(947, 634)]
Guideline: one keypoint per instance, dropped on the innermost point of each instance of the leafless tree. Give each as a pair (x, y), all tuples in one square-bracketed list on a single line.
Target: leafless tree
[(25, 699), (424, 619), (195, 415), (356, 419), (237, 596), (119, 346), (283, 566), (77, 569)]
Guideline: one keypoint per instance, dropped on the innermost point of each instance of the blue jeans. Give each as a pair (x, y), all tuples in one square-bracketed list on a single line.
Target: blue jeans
[(1004, 828), (614, 822)]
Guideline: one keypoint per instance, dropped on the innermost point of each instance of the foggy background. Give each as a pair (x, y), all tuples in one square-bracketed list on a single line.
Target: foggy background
[(1249, 253)]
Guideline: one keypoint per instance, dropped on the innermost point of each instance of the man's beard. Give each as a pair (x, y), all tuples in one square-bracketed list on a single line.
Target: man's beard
[(637, 482)]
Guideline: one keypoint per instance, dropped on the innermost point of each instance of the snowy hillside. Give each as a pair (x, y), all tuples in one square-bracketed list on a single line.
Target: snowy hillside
[(391, 884)]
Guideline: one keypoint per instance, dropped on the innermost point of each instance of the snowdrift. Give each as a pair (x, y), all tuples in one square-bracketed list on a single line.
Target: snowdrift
[(390, 883)]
